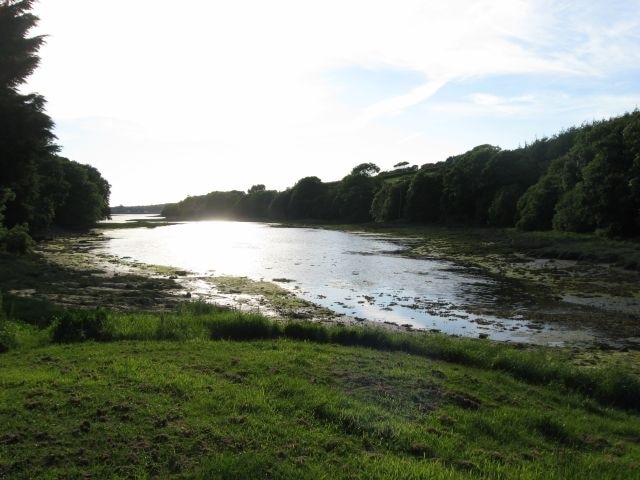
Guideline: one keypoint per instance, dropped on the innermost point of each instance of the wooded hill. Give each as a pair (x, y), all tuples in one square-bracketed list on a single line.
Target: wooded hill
[(584, 179)]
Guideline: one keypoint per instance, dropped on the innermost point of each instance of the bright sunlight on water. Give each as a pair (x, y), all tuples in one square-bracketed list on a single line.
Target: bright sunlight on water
[(360, 275)]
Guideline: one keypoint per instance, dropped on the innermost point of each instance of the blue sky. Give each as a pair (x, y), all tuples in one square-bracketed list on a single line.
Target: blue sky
[(168, 101)]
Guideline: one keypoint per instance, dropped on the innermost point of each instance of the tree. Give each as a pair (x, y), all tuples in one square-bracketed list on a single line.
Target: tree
[(5, 196), (365, 169), (279, 206), (631, 137), (463, 198), (25, 139), (423, 197), (503, 209), (86, 200), (52, 192), (18, 52), (255, 205), (256, 188), (307, 200), (583, 179), (355, 192), (216, 205), (104, 190), (389, 202), (505, 177), (598, 186), (571, 214), (536, 207), (42, 188), (25, 130)]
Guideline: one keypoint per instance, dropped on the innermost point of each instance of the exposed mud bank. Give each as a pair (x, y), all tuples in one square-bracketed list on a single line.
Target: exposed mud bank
[(554, 301), (67, 271)]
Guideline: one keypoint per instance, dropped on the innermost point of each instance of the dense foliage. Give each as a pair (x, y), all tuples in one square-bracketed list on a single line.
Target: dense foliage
[(585, 179), (38, 188)]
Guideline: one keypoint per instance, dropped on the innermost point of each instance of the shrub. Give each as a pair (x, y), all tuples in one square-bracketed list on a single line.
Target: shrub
[(307, 331), (7, 340), (17, 240), (198, 307), (375, 338), (80, 325), (344, 336), (34, 311), (615, 386), (236, 326)]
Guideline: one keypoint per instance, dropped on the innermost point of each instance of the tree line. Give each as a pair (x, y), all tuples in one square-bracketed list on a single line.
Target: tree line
[(39, 189), (584, 179), (145, 209)]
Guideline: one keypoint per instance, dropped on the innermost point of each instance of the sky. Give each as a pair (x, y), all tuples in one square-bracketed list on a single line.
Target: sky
[(169, 99)]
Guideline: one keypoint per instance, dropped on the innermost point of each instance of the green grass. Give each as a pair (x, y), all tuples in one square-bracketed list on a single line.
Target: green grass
[(293, 409), (610, 384), (207, 392)]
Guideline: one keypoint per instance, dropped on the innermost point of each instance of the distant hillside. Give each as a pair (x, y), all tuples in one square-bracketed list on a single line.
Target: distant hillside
[(149, 209)]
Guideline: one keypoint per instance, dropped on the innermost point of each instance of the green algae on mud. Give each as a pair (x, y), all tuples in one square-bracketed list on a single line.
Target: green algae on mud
[(275, 294), (570, 279), (67, 271), (136, 223), (68, 281), (243, 293), (587, 302)]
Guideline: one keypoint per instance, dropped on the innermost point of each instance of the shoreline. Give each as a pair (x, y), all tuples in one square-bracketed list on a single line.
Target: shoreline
[(82, 276), (127, 282)]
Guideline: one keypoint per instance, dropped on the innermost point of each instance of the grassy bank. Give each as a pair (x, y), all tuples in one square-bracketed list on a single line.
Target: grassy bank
[(211, 393), (198, 391), (609, 384)]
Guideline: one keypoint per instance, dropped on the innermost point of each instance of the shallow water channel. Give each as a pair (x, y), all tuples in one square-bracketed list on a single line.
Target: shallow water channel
[(359, 275)]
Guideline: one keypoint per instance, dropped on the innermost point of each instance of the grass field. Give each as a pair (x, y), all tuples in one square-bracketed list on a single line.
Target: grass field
[(192, 390), (208, 393)]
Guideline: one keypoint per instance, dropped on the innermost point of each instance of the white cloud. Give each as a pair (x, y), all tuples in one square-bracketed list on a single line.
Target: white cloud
[(395, 105), (586, 108)]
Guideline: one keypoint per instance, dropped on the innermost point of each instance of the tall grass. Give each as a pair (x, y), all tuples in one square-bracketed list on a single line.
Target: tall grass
[(609, 385)]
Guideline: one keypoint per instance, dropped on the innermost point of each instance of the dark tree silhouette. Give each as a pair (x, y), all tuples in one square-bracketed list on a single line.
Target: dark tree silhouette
[(35, 185), (583, 179)]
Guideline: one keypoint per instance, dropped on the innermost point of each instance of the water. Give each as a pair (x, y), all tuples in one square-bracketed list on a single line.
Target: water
[(359, 275)]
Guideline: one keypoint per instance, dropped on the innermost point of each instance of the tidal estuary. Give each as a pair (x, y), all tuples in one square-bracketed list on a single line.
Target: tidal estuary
[(356, 275)]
